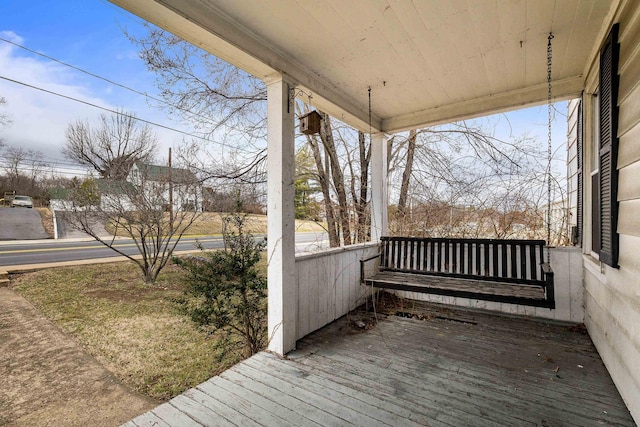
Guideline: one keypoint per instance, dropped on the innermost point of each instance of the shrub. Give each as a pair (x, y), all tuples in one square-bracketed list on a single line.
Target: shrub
[(226, 292)]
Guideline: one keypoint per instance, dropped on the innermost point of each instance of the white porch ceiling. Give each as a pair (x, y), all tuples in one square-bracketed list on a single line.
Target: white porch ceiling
[(427, 62)]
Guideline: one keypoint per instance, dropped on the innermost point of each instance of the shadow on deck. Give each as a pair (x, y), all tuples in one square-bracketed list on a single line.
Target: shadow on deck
[(451, 368)]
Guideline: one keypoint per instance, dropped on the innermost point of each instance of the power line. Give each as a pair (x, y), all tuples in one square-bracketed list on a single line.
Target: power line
[(119, 113), (123, 86), (123, 114), (44, 159), (146, 95)]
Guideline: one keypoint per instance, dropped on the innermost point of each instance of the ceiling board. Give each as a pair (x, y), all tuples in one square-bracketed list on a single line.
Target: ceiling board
[(424, 60)]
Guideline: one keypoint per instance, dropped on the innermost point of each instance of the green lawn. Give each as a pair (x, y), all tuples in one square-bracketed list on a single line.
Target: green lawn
[(131, 328), (210, 223)]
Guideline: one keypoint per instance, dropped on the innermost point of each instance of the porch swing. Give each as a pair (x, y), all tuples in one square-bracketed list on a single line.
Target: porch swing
[(500, 270)]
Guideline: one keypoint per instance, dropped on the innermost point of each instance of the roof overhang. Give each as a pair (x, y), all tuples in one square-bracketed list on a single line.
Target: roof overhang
[(426, 62)]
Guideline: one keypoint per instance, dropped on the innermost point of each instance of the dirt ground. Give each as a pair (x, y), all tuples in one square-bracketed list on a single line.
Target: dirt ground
[(47, 379)]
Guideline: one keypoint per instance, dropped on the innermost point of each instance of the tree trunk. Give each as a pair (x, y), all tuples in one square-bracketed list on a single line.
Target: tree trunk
[(332, 229), (361, 204), (406, 177), (404, 187), (326, 134)]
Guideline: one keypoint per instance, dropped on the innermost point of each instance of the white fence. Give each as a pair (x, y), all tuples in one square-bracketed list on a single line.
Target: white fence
[(329, 285)]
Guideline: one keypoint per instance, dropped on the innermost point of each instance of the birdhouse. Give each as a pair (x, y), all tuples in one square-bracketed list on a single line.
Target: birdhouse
[(310, 123)]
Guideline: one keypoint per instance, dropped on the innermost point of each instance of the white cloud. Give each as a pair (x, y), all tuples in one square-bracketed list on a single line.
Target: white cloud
[(39, 119)]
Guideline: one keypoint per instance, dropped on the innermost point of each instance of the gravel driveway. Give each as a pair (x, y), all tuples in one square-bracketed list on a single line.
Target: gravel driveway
[(21, 224)]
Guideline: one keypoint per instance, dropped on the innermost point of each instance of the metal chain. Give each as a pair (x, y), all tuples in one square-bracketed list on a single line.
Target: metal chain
[(369, 115), (549, 117)]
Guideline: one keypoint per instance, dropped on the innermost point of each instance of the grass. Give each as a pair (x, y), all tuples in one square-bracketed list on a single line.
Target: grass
[(47, 220), (133, 329), (210, 223)]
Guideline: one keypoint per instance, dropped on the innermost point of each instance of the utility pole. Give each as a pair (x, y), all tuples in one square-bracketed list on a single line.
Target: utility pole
[(170, 191)]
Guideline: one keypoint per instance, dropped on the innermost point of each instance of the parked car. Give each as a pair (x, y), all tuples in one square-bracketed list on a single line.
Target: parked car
[(21, 202)]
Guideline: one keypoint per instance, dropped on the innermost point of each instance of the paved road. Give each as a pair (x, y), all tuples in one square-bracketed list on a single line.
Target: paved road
[(52, 251), (21, 223)]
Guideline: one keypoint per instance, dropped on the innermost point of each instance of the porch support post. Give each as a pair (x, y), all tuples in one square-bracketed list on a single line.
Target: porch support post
[(283, 290), (379, 220)]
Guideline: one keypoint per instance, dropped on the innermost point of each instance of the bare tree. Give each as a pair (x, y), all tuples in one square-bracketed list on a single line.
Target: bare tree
[(451, 165), (466, 183), (36, 164), (406, 175), (138, 210), (14, 157), (23, 168), (225, 104), (111, 147), (325, 186), (342, 158), (4, 118)]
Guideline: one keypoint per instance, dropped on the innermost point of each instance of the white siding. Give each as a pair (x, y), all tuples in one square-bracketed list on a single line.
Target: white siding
[(329, 285), (60, 205), (612, 296)]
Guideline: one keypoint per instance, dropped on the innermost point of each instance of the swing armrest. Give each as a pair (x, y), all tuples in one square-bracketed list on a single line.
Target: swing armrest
[(548, 284), (363, 262)]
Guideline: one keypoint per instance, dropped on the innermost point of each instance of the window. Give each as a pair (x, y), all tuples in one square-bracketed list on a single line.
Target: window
[(607, 149)]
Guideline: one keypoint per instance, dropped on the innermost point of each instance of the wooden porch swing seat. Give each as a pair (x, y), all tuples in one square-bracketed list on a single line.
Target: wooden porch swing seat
[(507, 271)]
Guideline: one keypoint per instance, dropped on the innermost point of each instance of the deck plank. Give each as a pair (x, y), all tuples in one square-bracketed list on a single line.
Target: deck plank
[(478, 370), (303, 409), (364, 403), (225, 414), (172, 416), (481, 398), (238, 383), (454, 367), (240, 400), (462, 404), (148, 419), (201, 409), (327, 411)]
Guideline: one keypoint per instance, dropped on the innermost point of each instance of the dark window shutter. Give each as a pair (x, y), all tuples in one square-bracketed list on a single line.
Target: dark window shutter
[(580, 178), (595, 208), (608, 154)]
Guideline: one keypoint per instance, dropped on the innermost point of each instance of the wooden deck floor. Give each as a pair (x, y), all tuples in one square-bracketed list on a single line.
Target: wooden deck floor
[(454, 368)]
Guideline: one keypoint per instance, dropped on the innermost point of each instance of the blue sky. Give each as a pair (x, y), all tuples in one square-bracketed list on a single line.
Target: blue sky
[(88, 34)]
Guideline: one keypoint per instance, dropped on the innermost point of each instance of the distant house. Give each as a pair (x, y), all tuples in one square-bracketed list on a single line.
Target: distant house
[(115, 195), (112, 195), (161, 181), (59, 199), (145, 185)]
